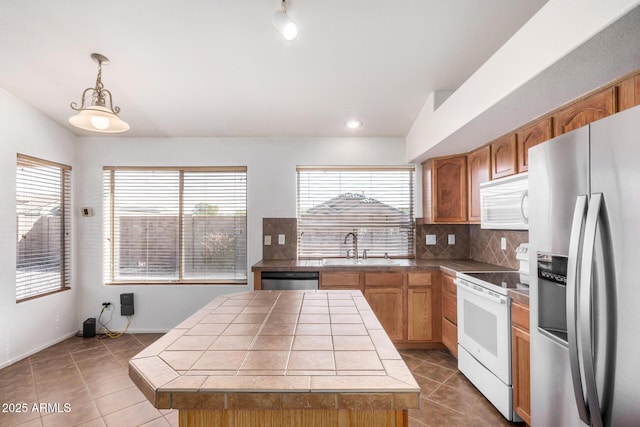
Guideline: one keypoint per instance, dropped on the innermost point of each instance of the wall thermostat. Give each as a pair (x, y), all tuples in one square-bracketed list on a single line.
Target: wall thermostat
[(87, 212)]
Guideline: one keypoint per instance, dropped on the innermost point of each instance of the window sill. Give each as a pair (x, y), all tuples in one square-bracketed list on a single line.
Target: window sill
[(57, 291), (181, 283)]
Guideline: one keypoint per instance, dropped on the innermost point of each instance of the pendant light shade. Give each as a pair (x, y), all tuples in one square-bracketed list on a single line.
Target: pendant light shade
[(284, 24), (96, 112)]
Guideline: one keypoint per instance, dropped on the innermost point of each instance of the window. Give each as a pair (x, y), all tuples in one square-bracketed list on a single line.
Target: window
[(43, 227), (175, 225), (375, 203)]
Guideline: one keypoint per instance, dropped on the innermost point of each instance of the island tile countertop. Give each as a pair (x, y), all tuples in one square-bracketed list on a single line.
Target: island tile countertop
[(277, 350)]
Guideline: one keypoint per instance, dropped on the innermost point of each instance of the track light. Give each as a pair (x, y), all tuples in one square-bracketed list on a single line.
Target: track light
[(94, 113), (284, 24)]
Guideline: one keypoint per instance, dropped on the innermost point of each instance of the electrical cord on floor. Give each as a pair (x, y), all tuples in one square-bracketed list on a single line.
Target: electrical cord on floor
[(109, 333)]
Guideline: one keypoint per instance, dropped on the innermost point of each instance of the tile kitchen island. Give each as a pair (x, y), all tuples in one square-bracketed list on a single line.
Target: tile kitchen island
[(279, 358)]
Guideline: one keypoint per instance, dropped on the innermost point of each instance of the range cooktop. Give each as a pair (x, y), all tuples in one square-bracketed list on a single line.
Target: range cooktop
[(498, 281)]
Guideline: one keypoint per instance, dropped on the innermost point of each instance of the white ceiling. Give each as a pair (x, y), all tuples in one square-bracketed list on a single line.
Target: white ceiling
[(218, 68)]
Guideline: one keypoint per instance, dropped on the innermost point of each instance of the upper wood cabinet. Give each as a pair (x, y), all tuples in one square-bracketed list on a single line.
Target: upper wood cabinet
[(478, 171), (628, 93), (503, 156), (595, 107), (449, 189), (530, 136)]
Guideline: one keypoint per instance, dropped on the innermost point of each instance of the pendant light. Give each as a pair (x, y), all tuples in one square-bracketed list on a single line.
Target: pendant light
[(284, 24), (96, 112)]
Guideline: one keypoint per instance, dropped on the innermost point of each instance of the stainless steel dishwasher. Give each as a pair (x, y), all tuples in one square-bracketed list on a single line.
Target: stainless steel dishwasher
[(289, 280)]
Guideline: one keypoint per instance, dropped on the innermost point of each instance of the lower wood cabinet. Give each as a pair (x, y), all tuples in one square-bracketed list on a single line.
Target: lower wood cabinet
[(521, 362), (340, 280), (420, 314), (387, 305), (450, 337), (407, 303), (450, 314)]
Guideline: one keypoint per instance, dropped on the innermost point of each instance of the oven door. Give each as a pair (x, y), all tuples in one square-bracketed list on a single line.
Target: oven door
[(484, 322)]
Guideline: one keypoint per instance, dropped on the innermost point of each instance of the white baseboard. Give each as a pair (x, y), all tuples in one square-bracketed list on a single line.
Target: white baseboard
[(69, 335), (37, 349)]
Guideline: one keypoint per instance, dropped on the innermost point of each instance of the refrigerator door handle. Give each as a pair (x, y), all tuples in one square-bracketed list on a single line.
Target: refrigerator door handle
[(577, 227), (585, 315)]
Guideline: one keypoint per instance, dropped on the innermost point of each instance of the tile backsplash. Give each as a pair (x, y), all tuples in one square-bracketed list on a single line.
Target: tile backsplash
[(274, 227), (471, 242), (442, 249), (485, 245)]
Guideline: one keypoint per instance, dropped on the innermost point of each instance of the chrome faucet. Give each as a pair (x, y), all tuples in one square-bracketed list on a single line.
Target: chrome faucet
[(355, 243)]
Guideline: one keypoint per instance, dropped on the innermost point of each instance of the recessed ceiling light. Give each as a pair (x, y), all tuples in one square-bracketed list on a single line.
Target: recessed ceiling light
[(353, 123)]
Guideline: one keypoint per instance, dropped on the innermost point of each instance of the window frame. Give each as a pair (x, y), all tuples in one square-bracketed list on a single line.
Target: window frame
[(66, 226), (109, 226), (411, 169)]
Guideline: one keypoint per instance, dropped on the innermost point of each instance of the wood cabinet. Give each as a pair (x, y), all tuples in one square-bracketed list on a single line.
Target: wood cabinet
[(503, 156), (449, 314), (478, 171), (387, 305), (407, 303), (627, 93), (595, 107), (521, 363), (423, 306), (448, 189), (530, 136), (340, 280)]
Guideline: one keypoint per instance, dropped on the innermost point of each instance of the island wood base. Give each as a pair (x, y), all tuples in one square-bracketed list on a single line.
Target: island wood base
[(292, 417)]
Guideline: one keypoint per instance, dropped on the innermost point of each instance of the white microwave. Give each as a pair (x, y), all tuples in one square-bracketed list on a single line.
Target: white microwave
[(504, 203)]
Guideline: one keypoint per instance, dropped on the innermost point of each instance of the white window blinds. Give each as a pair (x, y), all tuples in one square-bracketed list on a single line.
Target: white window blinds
[(43, 227), (375, 203), (175, 225)]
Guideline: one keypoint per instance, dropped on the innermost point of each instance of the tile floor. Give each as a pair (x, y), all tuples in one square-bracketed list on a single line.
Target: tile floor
[(91, 376)]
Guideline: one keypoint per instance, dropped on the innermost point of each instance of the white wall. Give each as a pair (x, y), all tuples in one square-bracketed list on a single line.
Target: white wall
[(32, 325), (545, 42), (271, 187)]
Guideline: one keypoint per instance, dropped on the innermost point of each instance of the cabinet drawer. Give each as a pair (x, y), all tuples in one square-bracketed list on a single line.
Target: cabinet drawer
[(450, 337), (520, 315), (383, 279), (340, 280), (448, 285), (449, 307), (425, 278)]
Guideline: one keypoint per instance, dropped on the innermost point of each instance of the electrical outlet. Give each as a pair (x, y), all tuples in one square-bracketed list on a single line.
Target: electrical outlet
[(452, 239), (503, 243), (267, 240), (281, 239), (431, 239)]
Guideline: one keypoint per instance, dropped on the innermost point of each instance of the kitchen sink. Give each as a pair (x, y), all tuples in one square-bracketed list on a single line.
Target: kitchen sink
[(350, 262)]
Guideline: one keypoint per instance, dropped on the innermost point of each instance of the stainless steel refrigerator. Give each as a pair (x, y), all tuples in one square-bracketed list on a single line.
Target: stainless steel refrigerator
[(584, 192)]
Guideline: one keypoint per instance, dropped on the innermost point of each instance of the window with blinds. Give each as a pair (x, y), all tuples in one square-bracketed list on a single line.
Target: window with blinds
[(43, 227), (175, 225), (375, 203)]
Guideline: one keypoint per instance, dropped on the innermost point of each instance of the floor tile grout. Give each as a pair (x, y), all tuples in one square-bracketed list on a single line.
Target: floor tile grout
[(437, 376)]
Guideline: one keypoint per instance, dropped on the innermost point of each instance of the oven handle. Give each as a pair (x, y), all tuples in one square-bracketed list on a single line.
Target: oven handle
[(497, 299)]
